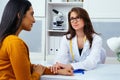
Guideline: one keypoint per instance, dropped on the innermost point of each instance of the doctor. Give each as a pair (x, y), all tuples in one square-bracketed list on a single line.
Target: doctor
[(81, 47)]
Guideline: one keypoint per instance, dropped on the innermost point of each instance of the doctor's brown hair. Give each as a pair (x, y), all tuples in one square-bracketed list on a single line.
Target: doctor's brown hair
[(88, 28)]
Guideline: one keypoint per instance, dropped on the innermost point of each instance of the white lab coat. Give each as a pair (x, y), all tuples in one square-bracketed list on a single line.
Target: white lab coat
[(89, 58)]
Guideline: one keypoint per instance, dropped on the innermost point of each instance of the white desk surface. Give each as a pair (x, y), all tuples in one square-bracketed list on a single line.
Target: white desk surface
[(102, 72)]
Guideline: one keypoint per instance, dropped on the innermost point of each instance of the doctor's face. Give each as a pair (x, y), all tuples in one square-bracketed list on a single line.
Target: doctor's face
[(76, 22)]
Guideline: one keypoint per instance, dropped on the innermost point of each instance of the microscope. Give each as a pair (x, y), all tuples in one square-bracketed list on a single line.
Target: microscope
[(58, 20)]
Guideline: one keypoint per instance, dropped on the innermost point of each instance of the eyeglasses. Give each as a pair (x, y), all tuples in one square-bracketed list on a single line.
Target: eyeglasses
[(75, 19)]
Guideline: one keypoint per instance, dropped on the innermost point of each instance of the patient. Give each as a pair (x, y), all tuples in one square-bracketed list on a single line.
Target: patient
[(14, 53)]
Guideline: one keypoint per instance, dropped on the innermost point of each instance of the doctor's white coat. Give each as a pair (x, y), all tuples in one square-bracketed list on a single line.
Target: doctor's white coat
[(89, 58)]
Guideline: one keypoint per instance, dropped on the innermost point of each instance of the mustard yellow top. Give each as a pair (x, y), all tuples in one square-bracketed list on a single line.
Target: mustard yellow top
[(14, 60)]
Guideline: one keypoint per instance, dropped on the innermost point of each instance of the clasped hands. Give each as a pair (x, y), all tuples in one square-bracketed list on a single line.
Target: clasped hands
[(63, 69)]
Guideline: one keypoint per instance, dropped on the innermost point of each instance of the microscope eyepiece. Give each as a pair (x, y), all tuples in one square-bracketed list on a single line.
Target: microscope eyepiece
[(55, 11)]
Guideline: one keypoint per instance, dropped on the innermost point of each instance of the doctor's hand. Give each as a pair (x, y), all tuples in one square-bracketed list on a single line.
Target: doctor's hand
[(58, 66), (67, 72)]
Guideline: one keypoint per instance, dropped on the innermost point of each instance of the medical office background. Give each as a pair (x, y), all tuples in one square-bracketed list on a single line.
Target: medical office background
[(43, 41)]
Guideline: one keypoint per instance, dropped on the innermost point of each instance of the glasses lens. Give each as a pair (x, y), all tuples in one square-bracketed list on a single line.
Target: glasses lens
[(74, 19)]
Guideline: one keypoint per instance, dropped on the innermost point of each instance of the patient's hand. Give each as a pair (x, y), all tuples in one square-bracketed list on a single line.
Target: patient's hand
[(38, 69)]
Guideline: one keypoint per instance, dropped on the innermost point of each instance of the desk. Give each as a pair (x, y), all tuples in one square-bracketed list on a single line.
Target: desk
[(102, 72)]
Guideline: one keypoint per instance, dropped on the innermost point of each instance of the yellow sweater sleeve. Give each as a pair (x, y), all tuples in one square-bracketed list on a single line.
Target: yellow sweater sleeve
[(19, 58)]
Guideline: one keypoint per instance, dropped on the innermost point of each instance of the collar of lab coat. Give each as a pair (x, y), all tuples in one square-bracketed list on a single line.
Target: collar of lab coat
[(75, 47)]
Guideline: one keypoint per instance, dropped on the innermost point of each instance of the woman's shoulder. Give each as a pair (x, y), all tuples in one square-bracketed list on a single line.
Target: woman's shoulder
[(66, 36), (12, 38), (96, 36), (64, 39)]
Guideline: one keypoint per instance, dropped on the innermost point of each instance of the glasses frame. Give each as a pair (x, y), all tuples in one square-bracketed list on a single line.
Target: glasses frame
[(73, 19)]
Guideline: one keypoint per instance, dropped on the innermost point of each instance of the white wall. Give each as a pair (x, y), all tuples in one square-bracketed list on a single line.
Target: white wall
[(2, 5)]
